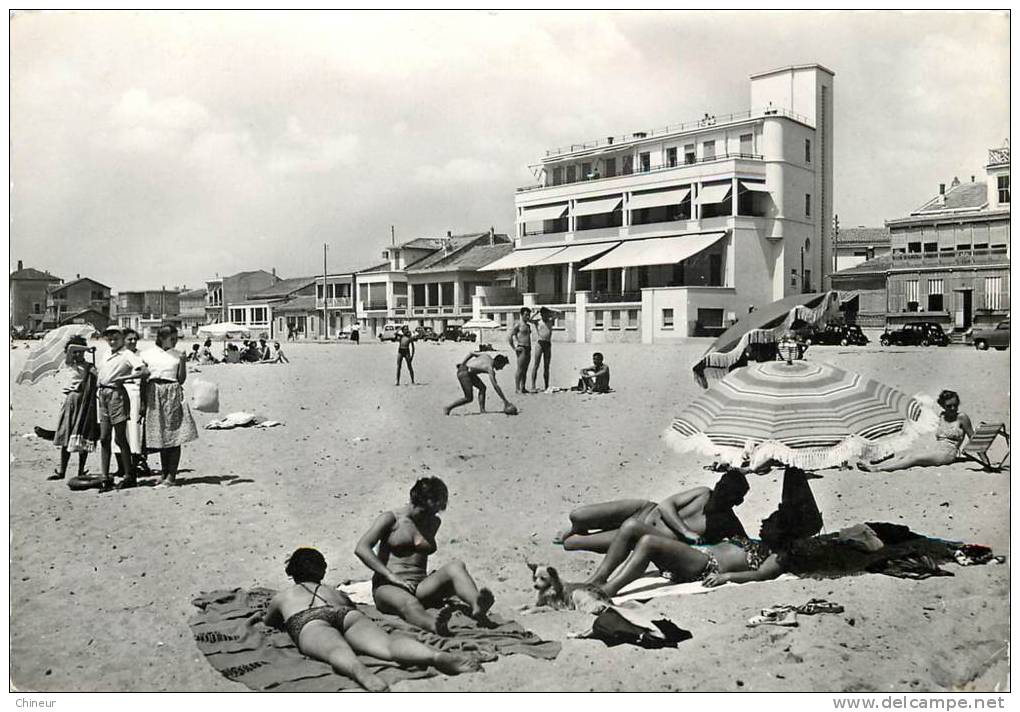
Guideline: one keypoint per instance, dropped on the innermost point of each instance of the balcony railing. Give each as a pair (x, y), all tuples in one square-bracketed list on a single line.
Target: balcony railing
[(998, 156), (375, 304), (613, 297), (652, 169), (333, 303), (704, 122), (950, 259), (556, 298)]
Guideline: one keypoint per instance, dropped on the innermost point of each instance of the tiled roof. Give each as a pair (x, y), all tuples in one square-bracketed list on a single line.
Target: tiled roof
[(32, 273), (863, 236), (303, 303), (56, 287), (384, 267), (466, 260), (876, 265), (283, 288), (449, 248), (965, 196), (193, 294)]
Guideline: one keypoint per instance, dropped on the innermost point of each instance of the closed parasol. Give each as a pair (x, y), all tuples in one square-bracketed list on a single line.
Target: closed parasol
[(763, 326), (805, 414), (49, 355)]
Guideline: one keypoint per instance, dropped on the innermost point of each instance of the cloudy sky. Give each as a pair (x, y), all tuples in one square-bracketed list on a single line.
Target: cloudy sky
[(157, 149)]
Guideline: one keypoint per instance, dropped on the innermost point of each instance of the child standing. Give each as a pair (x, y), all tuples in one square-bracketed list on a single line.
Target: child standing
[(114, 370), (77, 429)]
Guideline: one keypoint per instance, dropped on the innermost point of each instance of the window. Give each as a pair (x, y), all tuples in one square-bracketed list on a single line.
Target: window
[(646, 162), (710, 317), (318, 291), (36, 308), (807, 280), (1003, 182), (237, 316), (614, 319), (610, 167), (807, 204), (598, 320), (558, 175), (571, 174), (910, 289), (993, 291), (628, 165), (689, 154), (747, 144), (913, 247), (793, 277), (935, 299), (931, 247), (586, 170), (667, 318), (708, 150), (418, 294), (97, 295), (446, 292), (807, 150), (258, 315), (671, 157), (632, 318)]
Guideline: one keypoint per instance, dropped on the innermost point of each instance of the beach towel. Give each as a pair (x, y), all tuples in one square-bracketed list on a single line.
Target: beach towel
[(239, 419), (655, 586), (265, 659)]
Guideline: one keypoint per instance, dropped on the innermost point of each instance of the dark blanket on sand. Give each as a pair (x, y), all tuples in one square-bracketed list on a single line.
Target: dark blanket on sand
[(264, 658)]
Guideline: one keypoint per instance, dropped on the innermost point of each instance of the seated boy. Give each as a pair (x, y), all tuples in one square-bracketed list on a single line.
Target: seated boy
[(595, 378)]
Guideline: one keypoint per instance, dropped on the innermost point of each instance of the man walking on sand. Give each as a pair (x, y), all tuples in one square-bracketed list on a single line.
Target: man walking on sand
[(520, 341), (544, 326), (468, 372)]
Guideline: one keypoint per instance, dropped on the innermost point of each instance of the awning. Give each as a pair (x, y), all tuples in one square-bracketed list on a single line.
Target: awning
[(594, 207), (546, 212), (946, 237), (756, 187), (715, 193), (656, 251), (577, 253), (654, 200), (521, 258), (847, 297)]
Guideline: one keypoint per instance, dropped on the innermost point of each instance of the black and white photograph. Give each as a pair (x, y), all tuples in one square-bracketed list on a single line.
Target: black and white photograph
[(510, 351)]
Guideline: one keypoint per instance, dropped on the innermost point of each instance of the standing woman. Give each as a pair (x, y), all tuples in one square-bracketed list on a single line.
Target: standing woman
[(78, 427), (168, 421), (405, 352)]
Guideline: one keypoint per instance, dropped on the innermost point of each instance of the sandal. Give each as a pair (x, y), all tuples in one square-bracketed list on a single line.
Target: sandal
[(819, 605)]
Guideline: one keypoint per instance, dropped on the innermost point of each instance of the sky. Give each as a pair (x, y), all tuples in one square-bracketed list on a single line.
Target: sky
[(157, 149)]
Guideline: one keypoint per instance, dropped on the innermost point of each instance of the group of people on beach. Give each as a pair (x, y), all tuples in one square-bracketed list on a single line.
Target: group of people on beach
[(129, 398), (249, 352)]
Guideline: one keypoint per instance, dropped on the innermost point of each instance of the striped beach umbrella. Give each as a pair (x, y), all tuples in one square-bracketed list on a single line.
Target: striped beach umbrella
[(806, 414), (48, 356)]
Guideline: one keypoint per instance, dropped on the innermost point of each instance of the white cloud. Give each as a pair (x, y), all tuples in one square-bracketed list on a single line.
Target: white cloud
[(299, 152), (459, 170)]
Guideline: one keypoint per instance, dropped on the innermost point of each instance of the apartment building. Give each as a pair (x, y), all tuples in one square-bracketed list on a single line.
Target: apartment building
[(333, 311), (222, 292), (684, 227), (192, 310), (146, 310), (28, 298), (82, 300), (259, 311)]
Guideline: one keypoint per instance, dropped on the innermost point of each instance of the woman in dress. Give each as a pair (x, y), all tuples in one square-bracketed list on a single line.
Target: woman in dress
[(168, 421), (953, 428), (77, 428), (401, 583), (326, 625)]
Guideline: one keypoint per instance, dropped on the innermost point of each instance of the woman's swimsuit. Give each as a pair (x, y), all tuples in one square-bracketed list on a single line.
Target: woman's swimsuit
[(333, 615), (755, 553), (412, 573)]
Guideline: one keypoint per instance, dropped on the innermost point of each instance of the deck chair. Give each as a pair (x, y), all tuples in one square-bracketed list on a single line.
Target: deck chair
[(977, 447)]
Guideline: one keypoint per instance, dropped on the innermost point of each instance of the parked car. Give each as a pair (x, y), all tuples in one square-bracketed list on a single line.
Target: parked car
[(916, 333), (455, 333), (842, 334), (997, 338), (391, 332), (425, 333)]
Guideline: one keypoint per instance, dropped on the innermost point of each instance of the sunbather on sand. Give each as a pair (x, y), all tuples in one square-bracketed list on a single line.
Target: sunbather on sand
[(401, 583), (952, 429), (325, 624), (698, 515)]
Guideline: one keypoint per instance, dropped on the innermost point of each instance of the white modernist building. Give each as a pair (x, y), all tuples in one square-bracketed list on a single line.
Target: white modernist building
[(675, 232)]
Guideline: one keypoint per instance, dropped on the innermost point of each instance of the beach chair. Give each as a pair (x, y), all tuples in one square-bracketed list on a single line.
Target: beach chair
[(977, 447)]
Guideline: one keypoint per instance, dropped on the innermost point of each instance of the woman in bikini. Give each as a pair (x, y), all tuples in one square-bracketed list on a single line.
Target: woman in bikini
[(405, 352), (952, 429), (397, 547), (326, 625)]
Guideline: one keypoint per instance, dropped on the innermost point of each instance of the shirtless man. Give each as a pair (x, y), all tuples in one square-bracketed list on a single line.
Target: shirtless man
[(595, 378), (405, 352), (468, 372), (544, 326), (520, 341)]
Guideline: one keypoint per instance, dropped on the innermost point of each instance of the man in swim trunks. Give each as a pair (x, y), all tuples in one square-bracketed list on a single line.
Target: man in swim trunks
[(544, 326), (405, 352), (595, 378), (468, 372), (520, 341)]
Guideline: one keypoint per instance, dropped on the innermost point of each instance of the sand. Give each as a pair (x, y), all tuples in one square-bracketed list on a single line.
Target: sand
[(101, 584)]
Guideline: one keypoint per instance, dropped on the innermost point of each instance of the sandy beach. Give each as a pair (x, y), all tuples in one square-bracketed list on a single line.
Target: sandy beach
[(101, 585)]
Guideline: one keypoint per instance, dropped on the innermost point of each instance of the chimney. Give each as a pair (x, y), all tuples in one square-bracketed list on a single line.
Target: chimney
[(956, 182), (942, 188), (77, 276), (972, 179), (274, 271), (20, 266), (492, 236), (449, 234)]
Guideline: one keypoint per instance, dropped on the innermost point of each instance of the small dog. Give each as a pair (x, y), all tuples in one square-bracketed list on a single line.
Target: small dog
[(554, 593)]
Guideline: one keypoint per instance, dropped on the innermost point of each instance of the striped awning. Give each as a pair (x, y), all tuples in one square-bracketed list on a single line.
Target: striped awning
[(521, 258), (655, 251), (658, 198), (545, 212), (757, 187), (596, 207), (715, 193), (577, 253)]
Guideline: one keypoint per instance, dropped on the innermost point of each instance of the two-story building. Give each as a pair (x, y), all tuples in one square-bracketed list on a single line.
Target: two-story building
[(80, 301), (257, 313), (950, 257), (222, 292), (333, 311), (145, 311), (672, 232), (192, 312), (28, 298), (855, 245)]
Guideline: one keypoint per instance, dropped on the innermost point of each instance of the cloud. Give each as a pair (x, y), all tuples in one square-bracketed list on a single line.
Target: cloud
[(143, 124), (298, 152), (459, 170)]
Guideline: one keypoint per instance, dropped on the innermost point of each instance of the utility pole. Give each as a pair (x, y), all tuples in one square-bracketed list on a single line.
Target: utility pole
[(835, 243), (325, 327)]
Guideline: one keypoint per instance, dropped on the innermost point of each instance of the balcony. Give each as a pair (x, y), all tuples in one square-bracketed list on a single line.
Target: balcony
[(613, 297), (695, 125), (988, 256), (375, 305), (333, 303), (998, 156)]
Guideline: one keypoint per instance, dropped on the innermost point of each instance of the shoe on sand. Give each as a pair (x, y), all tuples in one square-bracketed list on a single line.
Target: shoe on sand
[(786, 619)]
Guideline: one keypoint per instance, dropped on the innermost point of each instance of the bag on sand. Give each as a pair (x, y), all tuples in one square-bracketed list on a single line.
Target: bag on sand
[(205, 396)]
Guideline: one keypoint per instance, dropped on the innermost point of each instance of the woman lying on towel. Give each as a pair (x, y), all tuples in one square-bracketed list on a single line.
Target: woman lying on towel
[(396, 548), (697, 515), (325, 625), (953, 427)]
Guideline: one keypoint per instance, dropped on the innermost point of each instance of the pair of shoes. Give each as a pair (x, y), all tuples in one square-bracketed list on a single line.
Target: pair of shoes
[(784, 618), (819, 605)]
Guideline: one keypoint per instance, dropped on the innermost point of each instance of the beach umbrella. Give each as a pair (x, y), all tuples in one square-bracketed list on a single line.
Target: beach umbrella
[(806, 414), (765, 325), (48, 357), (479, 325), (223, 330)]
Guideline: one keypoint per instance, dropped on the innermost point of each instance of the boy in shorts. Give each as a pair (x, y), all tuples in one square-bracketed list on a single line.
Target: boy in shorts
[(113, 408)]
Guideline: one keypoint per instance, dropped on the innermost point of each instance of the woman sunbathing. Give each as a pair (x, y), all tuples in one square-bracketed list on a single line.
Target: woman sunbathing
[(695, 515), (325, 625), (401, 583), (953, 427)]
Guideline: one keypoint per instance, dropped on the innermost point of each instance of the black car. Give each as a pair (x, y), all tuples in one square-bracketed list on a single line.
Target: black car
[(425, 333), (455, 333), (916, 333), (842, 334)]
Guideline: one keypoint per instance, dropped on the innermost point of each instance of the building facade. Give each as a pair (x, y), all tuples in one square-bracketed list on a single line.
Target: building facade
[(222, 292), (77, 299), (333, 311), (192, 310), (856, 245), (257, 312), (28, 298), (145, 311), (686, 226)]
